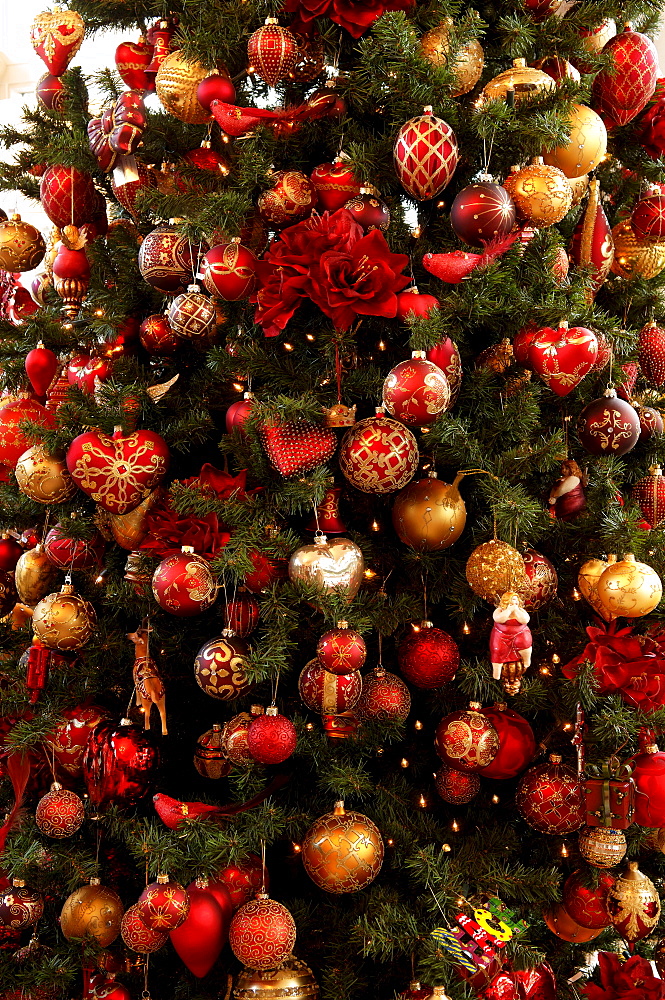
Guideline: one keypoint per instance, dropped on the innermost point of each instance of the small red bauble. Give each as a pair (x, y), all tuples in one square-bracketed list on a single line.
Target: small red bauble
[(334, 183), (237, 413), (41, 364), (262, 933), (608, 426), (205, 158), (242, 614), (68, 741), (540, 9), (13, 442), (183, 585), (384, 696), (291, 196), (604, 353), (84, 371), (562, 357), (341, 650), (266, 572), (428, 657), (229, 270), (68, 196), (538, 983), (271, 738), (503, 987), (651, 422), (522, 342), (10, 553), (272, 50), (163, 905), (127, 184), (118, 472), (649, 495), (157, 337), (167, 259), (482, 212), (543, 581), (416, 391), (412, 304), (215, 88), (137, 936), (378, 454), (329, 694), (425, 155), (648, 218), (651, 356), (446, 357), (219, 667), (60, 812), (71, 553), (517, 744), (202, 935), (369, 211), (244, 879), (587, 905), (466, 740), (51, 92), (550, 797), (623, 87), (649, 777), (457, 787)]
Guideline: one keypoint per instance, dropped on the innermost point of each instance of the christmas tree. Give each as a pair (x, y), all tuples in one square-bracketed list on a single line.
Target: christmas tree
[(301, 697)]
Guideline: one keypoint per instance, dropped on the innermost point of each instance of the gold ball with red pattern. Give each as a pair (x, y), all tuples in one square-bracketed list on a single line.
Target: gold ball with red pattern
[(137, 936), (60, 812), (369, 211), (291, 196), (192, 315), (466, 740), (416, 391), (163, 905), (328, 693), (234, 737), (341, 650)]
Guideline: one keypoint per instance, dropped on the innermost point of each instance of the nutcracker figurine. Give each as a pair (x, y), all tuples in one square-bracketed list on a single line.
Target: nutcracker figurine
[(510, 642)]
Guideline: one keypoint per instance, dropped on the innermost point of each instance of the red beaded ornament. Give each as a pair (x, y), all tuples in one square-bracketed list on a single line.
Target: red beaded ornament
[(294, 447), (384, 696), (272, 50), (262, 933), (651, 353), (329, 694), (60, 812), (457, 787), (341, 650), (428, 657), (466, 740), (416, 391), (271, 738), (550, 797), (163, 905), (649, 495)]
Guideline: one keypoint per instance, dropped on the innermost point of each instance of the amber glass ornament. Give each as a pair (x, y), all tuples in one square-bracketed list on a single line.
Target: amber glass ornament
[(522, 80), (137, 936), (466, 67), (629, 588), (378, 454), (633, 904), (176, 84), (649, 495), (262, 933), (587, 904), (456, 787), (64, 621), (602, 846), (210, 758), (342, 851), (425, 155), (416, 391), (384, 696), (541, 193), (22, 247), (608, 425), (93, 911), (562, 924), (586, 146), (550, 797), (430, 514), (220, 667), (587, 580), (428, 657), (341, 650), (466, 740), (19, 906), (494, 568), (292, 979), (634, 256), (34, 576), (42, 477), (130, 529), (60, 812)]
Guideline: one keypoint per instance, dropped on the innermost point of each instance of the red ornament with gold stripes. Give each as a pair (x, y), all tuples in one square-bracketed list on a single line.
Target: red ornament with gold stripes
[(425, 155), (229, 270), (328, 693), (272, 50)]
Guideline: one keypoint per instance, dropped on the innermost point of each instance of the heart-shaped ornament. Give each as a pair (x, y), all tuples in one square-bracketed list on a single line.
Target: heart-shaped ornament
[(297, 446), (56, 37), (132, 60), (651, 353), (563, 357), (118, 472)]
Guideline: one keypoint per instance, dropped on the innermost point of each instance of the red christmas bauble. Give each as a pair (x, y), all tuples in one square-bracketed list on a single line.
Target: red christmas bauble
[(334, 183), (341, 650), (416, 391), (623, 87), (219, 667), (229, 270), (457, 787), (262, 933), (20, 906), (326, 693), (628, 373), (243, 879), (163, 905), (271, 738), (128, 181), (538, 983), (13, 442), (647, 219), (543, 580), (221, 894), (10, 553), (522, 342), (604, 353), (558, 68), (608, 426), (68, 196), (41, 365), (649, 495), (272, 50), (466, 740), (183, 585), (504, 986), (428, 657), (60, 812), (83, 371), (119, 764), (119, 471), (378, 454), (68, 740), (237, 413), (167, 259), (649, 777), (369, 211), (266, 572), (412, 304), (588, 905), (70, 553), (291, 196), (205, 158), (482, 212), (157, 337), (651, 353), (137, 936), (550, 797), (199, 939), (425, 155), (651, 422), (446, 357), (562, 357), (242, 614), (384, 696), (51, 92), (215, 88), (517, 744)]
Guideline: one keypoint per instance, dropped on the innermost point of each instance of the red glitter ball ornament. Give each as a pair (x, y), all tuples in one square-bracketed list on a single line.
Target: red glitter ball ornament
[(341, 650), (587, 905), (428, 657), (329, 694), (262, 933), (60, 812), (272, 50), (482, 212), (229, 270), (183, 585), (649, 777), (297, 446), (651, 353), (416, 391), (369, 211), (137, 936), (648, 218), (517, 744), (243, 879), (550, 797), (378, 454), (384, 696), (163, 905), (334, 183), (457, 787), (543, 580), (608, 426), (157, 337), (271, 738), (466, 740)]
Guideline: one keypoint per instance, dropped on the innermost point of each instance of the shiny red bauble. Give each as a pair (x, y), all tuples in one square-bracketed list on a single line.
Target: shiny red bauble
[(68, 196), (204, 932), (563, 356), (416, 391), (456, 787), (183, 585), (120, 763), (41, 365), (242, 614), (543, 580), (608, 426), (68, 740), (334, 183), (60, 812), (262, 933), (378, 454), (128, 184), (538, 983), (244, 879), (71, 553), (215, 88), (237, 413), (291, 196), (167, 259), (425, 155), (84, 371), (51, 92), (412, 304), (384, 696), (163, 905), (137, 936), (648, 218), (118, 471), (586, 902), (649, 777), (466, 740), (271, 738), (517, 744), (341, 650), (10, 553), (369, 211), (266, 571), (482, 212), (132, 60), (550, 797), (229, 270), (503, 987), (651, 353), (329, 694), (13, 441), (157, 337), (446, 357), (428, 657), (651, 423)]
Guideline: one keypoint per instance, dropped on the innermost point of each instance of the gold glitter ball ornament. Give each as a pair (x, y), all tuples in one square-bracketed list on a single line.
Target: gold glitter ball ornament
[(22, 246), (292, 979), (429, 514), (494, 568), (467, 66), (524, 81), (633, 904), (629, 588), (64, 621), (176, 84), (43, 478), (93, 911), (541, 193), (602, 846), (586, 146), (342, 851), (635, 257)]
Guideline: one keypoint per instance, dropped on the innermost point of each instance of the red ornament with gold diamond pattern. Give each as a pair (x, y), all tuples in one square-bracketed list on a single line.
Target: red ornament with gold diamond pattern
[(68, 196), (425, 155), (60, 812), (416, 391), (550, 797), (378, 454), (326, 693), (341, 650), (229, 270), (163, 905), (592, 245), (466, 740), (262, 933), (623, 88), (272, 50), (183, 585), (117, 472)]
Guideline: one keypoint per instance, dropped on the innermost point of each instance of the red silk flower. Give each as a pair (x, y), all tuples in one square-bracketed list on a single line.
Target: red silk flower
[(631, 980), (354, 15)]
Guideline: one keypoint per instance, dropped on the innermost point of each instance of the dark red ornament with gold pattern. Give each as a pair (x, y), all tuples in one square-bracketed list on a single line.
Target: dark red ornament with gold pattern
[(167, 259), (272, 50), (651, 422), (244, 879), (456, 787), (633, 903), (183, 585), (585, 902), (229, 270), (128, 180), (517, 744), (482, 212), (543, 580), (157, 337), (428, 657), (341, 650), (68, 196), (623, 87), (120, 763), (163, 905), (262, 933), (118, 471), (13, 441), (137, 936), (335, 183), (466, 740), (60, 812), (326, 693), (52, 93), (647, 219), (242, 614), (219, 667), (608, 425), (68, 740), (271, 738), (73, 553), (384, 696), (550, 797), (651, 353), (378, 454), (369, 211), (290, 197), (416, 391), (19, 906)]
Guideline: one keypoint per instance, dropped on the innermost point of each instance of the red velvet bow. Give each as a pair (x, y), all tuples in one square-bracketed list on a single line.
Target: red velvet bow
[(119, 131), (240, 121)]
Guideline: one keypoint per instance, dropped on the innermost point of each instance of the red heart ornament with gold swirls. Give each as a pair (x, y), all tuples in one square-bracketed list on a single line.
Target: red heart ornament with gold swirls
[(563, 357), (118, 472), (132, 60)]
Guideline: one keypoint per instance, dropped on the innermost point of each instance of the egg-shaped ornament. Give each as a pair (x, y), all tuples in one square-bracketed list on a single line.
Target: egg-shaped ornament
[(22, 246), (416, 391), (425, 155), (229, 270), (633, 903), (43, 477), (176, 84), (378, 454), (341, 650), (521, 80), (542, 580), (587, 580), (163, 905), (651, 422), (168, 259), (550, 797), (494, 568), (628, 78), (649, 495), (634, 256), (20, 906), (466, 67), (34, 575), (183, 584), (601, 846), (586, 146), (262, 933), (541, 193), (342, 851), (192, 315), (93, 911), (368, 210), (326, 693), (647, 219), (290, 197), (220, 667), (136, 936), (64, 621), (384, 696), (335, 565), (629, 588), (272, 51), (466, 740), (608, 425), (428, 514), (482, 211), (60, 812), (428, 657), (651, 353)]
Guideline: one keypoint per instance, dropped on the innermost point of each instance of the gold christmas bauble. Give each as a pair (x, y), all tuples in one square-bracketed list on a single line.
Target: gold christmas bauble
[(22, 246), (429, 514), (523, 80), (93, 911), (629, 588), (342, 851), (587, 580), (64, 620), (585, 148), (633, 904), (541, 193), (602, 846), (176, 84), (43, 478), (635, 257), (578, 185), (494, 568), (292, 979), (337, 564), (34, 575), (469, 61), (130, 529)]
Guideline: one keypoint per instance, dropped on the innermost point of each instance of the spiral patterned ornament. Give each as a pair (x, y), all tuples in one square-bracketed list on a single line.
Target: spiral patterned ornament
[(466, 740), (137, 936), (192, 315), (262, 933), (327, 693), (378, 454), (64, 621), (93, 911), (271, 738), (220, 667), (342, 851), (43, 478), (384, 696), (456, 787), (20, 907), (60, 812), (425, 155)]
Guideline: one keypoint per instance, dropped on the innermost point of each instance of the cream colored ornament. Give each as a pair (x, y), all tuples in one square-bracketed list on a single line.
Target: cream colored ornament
[(469, 61), (586, 146), (35, 576), (629, 588), (334, 565), (587, 580), (64, 620), (176, 84), (635, 257), (494, 568), (42, 477), (578, 185), (524, 82), (541, 193)]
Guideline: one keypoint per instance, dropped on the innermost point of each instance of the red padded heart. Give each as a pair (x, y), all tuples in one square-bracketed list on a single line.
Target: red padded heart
[(294, 447), (563, 357), (118, 472), (132, 60)]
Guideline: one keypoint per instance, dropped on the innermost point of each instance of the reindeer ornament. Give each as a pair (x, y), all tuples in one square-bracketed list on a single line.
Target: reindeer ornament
[(149, 686)]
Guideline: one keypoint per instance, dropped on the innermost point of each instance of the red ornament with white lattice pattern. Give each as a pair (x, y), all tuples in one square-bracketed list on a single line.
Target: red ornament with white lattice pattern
[(425, 155), (272, 50)]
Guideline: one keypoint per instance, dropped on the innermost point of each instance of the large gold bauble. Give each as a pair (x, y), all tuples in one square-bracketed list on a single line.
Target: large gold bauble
[(292, 980), (129, 530), (635, 257), (587, 580), (43, 478), (334, 565), (541, 193), (602, 846), (469, 61), (93, 911), (34, 575), (629, 588), (176, 84), (342, 851), (494, 568), (633, 904), (585, 148), (22, 246), (64, 620), (525, 81), (429, 514)]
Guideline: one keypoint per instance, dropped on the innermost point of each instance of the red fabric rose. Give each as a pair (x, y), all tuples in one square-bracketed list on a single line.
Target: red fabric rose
[(354, 15), (631, 980)]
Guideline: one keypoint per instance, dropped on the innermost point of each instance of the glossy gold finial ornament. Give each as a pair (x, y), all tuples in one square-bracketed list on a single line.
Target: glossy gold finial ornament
[(429, 514), (332, 565), (292, 979), (629, 588), (22, 247), (521, 80)]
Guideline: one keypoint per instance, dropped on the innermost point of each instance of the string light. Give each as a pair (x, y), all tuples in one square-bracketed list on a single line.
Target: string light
[(310, 337), (446, 848), (496, 800), (288, 347), (238, 386), (556, 658), (381, 345), (417, 724), (545, 671), (567, 726), (297, 848), (564, 851), (369, 574), (375, 526), (416, 232), (422, 801), (454, 826), (309, 727), (404, 762), (416, 628), (466, 628), (576, 596), (390, 842)]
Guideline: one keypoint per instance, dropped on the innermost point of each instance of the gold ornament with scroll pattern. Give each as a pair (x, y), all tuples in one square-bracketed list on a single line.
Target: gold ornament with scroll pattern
[(176, 85), (635, 257), (42, 477)]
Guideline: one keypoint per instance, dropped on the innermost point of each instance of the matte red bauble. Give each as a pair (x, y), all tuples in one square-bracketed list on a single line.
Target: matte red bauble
[(183, 585), (428, 657), (369, 211), (70, 553), (457, 787), (384, 696), (446, 357), (425, 155), (291, 196), (647, 219), (120, 763), (262, 933), (242, 614), (649, 777), (163, 905), (204, 932), (52, 93), (68, 740), (550, 797), (266, 572), (341, 650), (41, 364), (326, 693), (482, 212), (272, 50), (229, 270), (118, 471), (416, 391), (60, 812), (220, 665), (651, 422), (13, 442), (243, 879), (538, 983), (334, 183), (167, 259), (237, 413), (622, 89), (466, 740), (649, 495), (543, 580), (378, 454), (157, 337), (517, 744), (68, 196), (10, 553), (587, 905), (563, 356), (215, 88), (651, 353), (271, 738), (137, 936), (608, 426), (412, 304)]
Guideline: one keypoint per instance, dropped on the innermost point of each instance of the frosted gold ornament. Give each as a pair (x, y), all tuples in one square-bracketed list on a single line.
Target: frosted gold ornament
[(587, 580), (586, 146), (467, 66), (292, 979), (494, 568), (22, 247), (524, 82), (93, 911), (635, 257), (335, 565), (430, 514), (633, 904), (34, 575), (629, 588), (42, 477), (602, 846), (64, 621), (176, 84), (541, 193)]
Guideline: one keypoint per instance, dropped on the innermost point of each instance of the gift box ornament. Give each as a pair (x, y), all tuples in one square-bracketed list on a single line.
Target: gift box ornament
[(610, 795)]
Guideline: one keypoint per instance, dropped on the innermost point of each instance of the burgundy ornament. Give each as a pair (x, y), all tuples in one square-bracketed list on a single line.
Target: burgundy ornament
[(157, 337), (129, 178), (651, 422), (457, 787), (167, 259), (271, 738), (290, 197), (384, 696), (10, 553), (71, 553), (543, 580), (587, 905), (215, 88), (326, 693), (369, 211), (52, 93), (428, 657), (550, 797), (242, 614), (163, 905), (20, 906), (341, 650), (482, 212), (466, 740), (623, 88), (229, 270), (327, 517), (243, 879), (119, 764), (608, 426), (517, 744), (119, 131), (647, 219)]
